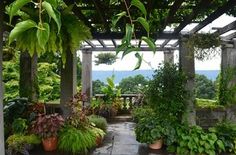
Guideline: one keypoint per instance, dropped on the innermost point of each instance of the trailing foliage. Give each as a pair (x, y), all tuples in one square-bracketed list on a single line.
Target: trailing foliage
[(205, 103), (227, 89), (76, 140), (50, 26), (204, 45), (105, 58), (166, 93)]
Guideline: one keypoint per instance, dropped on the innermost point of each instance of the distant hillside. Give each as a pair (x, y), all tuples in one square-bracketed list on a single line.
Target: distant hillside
[(119, 75)]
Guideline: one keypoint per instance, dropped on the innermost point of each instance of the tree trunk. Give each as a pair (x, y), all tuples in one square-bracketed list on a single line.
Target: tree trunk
[(28, 77), (2, 147)]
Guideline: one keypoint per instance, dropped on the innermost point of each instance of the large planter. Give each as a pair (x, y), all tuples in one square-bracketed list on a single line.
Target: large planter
[(50, 144), (156, 145)]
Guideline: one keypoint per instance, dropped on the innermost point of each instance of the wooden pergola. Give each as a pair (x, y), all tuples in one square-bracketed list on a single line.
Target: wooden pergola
[(97, 15)]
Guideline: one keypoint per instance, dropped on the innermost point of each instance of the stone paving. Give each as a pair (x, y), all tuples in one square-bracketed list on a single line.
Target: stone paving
[(120, 140)]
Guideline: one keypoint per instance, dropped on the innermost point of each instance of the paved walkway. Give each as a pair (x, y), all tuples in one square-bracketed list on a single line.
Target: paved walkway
[(121, 140)]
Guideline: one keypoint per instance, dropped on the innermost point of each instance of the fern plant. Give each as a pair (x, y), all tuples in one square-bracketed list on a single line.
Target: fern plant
[(76, 140)]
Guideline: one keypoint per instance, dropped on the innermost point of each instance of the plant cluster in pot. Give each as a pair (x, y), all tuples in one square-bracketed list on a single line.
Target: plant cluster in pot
[(150, 130), (47, 126)]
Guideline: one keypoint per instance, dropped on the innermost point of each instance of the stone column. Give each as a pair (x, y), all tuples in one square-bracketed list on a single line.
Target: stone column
[(186, 62), (28, 77), (87, 74), (228, 70), (2, 147), (68, 81), (169, 56)]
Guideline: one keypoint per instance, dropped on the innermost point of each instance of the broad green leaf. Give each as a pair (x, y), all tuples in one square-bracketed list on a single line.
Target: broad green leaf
[(144, 23), (54, 14), (20, 28), (117, 18), (121, 47), (150, 43), (139, 62), (128, 33), (221, 145), (129, 50), (140, 6), (54, 3), (43, 33), (16, 6), (113, 1)]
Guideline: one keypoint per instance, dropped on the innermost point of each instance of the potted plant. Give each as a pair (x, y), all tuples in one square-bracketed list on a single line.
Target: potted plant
[(150, 130), (47, 126)]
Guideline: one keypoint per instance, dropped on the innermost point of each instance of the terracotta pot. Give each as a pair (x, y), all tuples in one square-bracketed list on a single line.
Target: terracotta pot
[(50, 144), (99, 140), (156, 145)]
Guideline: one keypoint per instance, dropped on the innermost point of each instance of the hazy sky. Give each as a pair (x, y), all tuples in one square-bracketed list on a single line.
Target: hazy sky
[(128, 63)]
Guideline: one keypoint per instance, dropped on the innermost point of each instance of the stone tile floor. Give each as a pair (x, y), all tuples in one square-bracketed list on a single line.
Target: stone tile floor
[(120, 140)]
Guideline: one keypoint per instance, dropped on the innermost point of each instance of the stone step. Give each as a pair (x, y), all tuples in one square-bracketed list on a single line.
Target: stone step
[(121, 118)]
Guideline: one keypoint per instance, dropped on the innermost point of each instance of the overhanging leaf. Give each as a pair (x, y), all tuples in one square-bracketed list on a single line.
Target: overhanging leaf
[(139, 62), (144, 23), (54, 3), (54, 14), (150, 43), (128, 33), (20, 28), (121, 47), (117, 18), (129, 50), (140, 6), (43, 34), (16, 6)]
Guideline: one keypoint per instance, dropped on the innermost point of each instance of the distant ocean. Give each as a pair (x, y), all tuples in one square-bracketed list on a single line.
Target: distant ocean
[(119, 75)]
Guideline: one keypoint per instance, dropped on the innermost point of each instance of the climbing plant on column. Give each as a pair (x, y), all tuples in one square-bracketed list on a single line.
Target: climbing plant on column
[(45, 26)]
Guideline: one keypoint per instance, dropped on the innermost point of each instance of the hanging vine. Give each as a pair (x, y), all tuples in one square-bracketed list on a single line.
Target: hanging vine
[(204, 45), (53, 27)]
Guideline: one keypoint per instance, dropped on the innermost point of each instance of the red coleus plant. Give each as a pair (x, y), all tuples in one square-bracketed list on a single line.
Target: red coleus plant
[(47, 125)]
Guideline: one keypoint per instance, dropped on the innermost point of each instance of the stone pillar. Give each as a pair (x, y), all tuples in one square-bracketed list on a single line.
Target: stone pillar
[(28, 77), (2, 147), (169, 56), (87, 74), (228, 72), (186, 62), (68, 81)]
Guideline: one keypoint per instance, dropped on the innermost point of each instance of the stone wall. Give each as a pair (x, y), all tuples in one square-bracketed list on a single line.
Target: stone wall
[(208, 117)]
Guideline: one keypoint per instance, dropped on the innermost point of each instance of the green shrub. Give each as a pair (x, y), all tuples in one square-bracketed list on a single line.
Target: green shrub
[(194, 140), (226, 132), (141, 112), (19, 126), (98, 121), (76, 140)]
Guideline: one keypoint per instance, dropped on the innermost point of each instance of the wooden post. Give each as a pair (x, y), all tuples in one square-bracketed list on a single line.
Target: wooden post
[(28, 77), (186, 61), (68, 81), (169, 57), (2, 147), (87, 75)]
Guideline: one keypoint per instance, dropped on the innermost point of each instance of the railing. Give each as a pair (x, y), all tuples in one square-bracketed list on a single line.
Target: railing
[(129, 100)]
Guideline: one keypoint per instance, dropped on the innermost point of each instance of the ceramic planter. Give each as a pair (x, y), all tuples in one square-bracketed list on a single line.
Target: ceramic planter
[(156, 145), (50, 144)]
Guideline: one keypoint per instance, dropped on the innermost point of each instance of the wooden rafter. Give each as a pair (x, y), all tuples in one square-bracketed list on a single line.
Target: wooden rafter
[(90, 43), (114, 42), (101, 14), (226, 28), (230, 36), (102, 43), (187, 20), (172, 12), (221, 10)]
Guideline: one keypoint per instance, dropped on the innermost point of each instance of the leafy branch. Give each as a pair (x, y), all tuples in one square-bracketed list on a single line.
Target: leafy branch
[(126, 45)]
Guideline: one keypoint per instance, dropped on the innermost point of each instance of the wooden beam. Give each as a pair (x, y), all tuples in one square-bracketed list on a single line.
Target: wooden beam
[(102, 43), (147, 49), (221, 10), (114, 42), (120, 35), (230, 36), (101, 13), (187, 20), (172, 12), (226, 28), (90, 43)]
